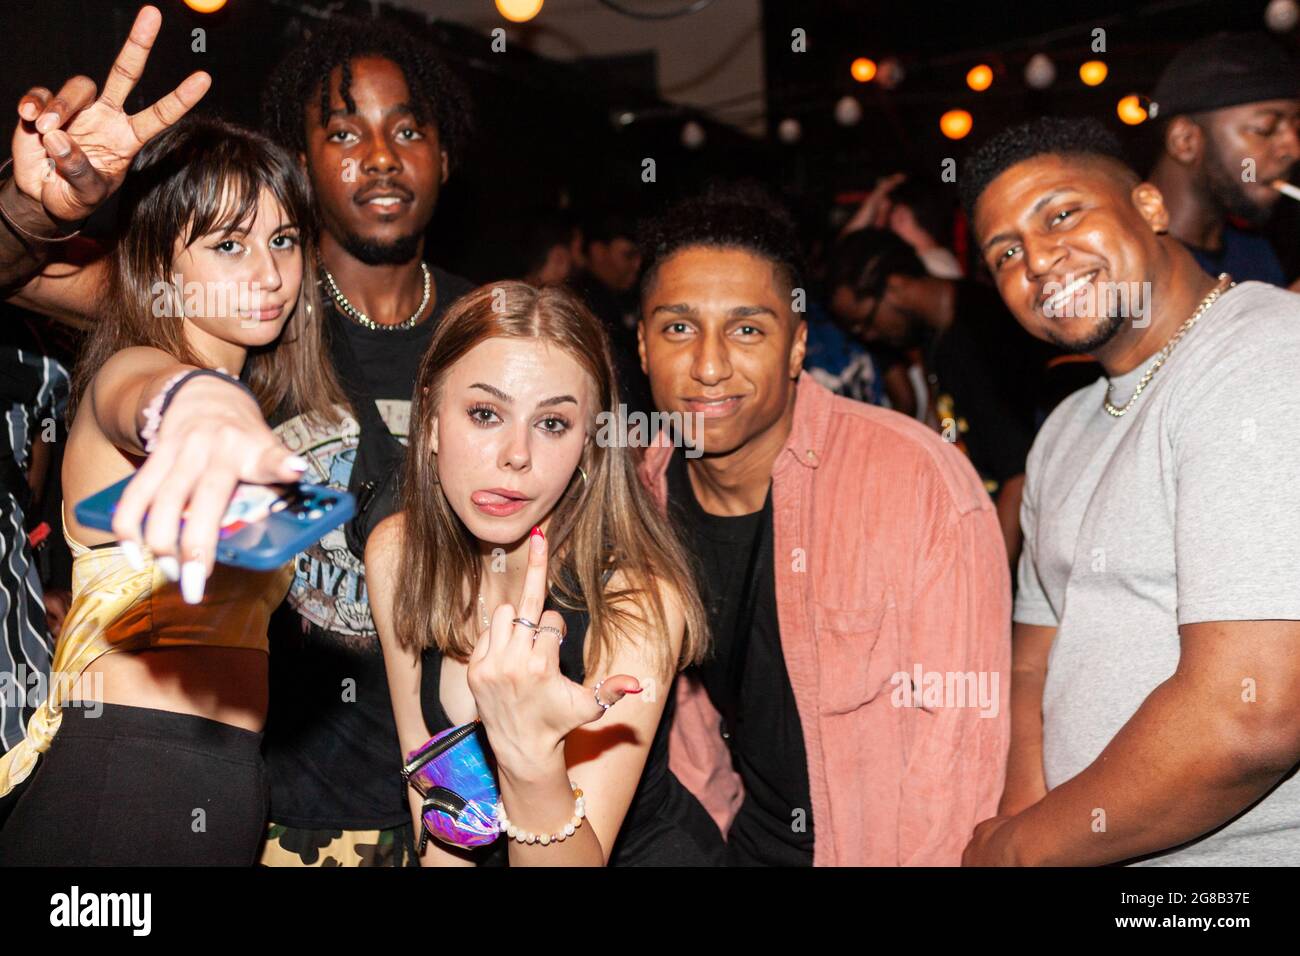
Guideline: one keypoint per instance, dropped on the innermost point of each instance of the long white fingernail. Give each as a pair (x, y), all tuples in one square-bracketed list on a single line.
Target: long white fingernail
[(132, 553), (296, 463), (193, 578), (170, 568)]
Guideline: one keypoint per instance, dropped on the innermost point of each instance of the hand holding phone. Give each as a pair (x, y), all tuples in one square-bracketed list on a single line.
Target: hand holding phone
[(263, 526)]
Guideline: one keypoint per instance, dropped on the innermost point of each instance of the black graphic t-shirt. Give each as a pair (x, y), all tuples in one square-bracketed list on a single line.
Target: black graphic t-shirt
[(330, 743)]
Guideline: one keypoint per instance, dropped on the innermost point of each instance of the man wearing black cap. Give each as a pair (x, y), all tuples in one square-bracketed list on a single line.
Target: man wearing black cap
[(1229, 108)]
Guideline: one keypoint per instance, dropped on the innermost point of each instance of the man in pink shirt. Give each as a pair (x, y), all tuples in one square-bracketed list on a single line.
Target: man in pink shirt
[(853, 709)]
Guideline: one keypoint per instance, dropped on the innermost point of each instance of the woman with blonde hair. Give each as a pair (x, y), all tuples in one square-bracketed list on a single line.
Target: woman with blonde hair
[(528, 582)]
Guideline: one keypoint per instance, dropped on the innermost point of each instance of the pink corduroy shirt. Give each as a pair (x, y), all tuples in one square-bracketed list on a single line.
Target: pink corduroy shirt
[(894, 605)]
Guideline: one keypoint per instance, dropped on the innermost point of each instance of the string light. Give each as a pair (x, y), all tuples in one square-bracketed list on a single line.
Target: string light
[(848, 111), (1281, 15), (1131, 110), (1093, 73), (891, 73), (519, 11), (980, 78), (955, 124), (1040, 71), (693, 135), (863, 69), (205, 6)]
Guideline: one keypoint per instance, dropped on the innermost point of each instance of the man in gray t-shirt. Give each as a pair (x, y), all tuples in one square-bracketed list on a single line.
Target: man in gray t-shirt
[(1157, 624)]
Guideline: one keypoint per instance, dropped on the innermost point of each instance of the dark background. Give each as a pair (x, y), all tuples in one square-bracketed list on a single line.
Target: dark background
[(546, 133)]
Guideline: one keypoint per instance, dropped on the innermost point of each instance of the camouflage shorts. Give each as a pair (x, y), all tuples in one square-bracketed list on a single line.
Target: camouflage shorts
[(290, 846)]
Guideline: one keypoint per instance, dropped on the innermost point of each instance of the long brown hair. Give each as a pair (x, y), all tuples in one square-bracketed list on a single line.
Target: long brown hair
[(608, 521), (200, 176)]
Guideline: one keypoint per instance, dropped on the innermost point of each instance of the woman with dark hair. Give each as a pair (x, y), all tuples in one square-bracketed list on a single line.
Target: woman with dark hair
[(511, 502), (212, 278)]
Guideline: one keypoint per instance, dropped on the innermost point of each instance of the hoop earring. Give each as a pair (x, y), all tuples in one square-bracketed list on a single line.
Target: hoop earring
[(583, 473)]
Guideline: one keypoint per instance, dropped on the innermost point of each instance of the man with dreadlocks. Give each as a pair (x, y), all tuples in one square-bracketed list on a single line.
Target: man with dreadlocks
[(379, 122)]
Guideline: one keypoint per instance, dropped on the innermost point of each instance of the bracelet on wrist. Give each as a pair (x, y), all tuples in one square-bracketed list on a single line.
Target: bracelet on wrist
[(157, 407), (8, 216), (520, 835)]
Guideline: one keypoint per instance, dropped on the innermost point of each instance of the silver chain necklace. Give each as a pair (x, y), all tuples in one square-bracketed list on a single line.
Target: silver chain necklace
[(361, 318), (1225, 283)]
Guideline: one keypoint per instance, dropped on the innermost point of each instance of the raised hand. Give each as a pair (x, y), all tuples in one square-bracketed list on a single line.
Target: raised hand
[(72, 149), (527, 706)]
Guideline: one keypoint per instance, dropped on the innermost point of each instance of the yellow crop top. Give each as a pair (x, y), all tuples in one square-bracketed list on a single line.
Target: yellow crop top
[(117, 609)]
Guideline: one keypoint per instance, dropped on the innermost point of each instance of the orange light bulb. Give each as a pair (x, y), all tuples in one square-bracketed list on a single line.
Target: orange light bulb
[(863, 69), (980, 78), (955, 123), (1093, 73)]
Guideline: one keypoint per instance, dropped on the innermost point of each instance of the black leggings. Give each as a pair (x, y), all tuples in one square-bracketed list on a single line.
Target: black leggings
[(137, 786)]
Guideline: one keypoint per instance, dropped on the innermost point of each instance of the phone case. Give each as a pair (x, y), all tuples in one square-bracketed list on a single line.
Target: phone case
[(307, 514)]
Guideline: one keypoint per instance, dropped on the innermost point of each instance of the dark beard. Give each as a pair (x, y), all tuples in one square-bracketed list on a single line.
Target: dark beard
[(1103, 333), (375, 253), (1226, 190)]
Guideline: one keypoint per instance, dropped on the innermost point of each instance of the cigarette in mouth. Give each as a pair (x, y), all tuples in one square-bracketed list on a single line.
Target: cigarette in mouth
[(1286, 188)]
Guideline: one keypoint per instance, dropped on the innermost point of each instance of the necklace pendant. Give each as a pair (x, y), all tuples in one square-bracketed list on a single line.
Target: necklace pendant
[(1225, 282)]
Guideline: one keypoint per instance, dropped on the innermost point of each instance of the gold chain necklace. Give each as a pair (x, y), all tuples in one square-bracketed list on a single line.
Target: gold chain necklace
[(347, 308), (1225, 283)]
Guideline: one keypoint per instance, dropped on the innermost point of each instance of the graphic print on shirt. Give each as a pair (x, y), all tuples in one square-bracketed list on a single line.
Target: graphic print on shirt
[(329, 584)]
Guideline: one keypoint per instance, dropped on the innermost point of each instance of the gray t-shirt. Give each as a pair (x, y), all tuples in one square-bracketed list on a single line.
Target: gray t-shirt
[(1183, 510)]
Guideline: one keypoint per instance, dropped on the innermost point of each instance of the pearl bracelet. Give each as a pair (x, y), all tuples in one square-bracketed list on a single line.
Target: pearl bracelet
[(520, 835)]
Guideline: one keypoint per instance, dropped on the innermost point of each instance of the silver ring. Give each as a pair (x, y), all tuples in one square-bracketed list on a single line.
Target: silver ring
[(550, 627), (603, 705), (525, 622)]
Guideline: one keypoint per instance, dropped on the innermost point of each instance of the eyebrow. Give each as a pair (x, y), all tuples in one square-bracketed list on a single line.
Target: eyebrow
[(1043, 201), (1263, 112), (403, 109), (737, 312), (544, 403), (245, 227)]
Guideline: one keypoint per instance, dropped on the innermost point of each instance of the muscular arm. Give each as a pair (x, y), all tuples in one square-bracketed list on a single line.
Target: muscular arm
[(1199, 750)]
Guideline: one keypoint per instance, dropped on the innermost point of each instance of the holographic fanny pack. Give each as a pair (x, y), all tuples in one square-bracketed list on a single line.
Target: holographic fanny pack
[(458, 787)]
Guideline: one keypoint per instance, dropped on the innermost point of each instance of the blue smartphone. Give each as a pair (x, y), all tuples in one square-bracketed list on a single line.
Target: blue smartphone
[(264, 525)]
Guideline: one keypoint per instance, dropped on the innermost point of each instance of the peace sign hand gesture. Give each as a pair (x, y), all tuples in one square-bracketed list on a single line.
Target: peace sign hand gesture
[(527, 706), (72, 150)]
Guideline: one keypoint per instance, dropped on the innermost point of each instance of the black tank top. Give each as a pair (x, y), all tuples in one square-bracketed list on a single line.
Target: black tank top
[(665, 825)]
